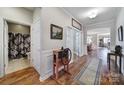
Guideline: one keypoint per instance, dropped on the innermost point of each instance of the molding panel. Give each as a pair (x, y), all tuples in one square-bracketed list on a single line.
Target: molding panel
[(47, 65)]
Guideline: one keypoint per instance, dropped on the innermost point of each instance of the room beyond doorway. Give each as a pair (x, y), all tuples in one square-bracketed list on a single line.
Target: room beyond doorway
[(96, 38)]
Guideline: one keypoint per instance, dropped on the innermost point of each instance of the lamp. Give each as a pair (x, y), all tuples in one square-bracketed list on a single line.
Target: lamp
[(92, 14)]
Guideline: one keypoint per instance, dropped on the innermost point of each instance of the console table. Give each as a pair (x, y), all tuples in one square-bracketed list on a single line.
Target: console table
[(116, 55), (58, 63)]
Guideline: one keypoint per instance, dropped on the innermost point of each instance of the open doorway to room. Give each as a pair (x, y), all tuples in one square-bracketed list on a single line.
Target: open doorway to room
[(104, 40), (17, 41), (97, 38)]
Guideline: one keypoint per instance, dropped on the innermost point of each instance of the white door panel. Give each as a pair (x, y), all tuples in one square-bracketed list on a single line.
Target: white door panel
[(5, 45)]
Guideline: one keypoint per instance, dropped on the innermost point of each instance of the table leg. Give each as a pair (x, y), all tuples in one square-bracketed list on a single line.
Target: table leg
[(56, 71), (120, 65), (67, 67), (115, 61), (109, 61)]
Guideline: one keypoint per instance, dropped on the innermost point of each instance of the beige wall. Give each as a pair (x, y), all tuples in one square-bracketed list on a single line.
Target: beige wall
[(17, 28), (57, 16)]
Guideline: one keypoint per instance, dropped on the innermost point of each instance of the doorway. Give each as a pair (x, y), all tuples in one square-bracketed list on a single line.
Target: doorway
[(17, 51), (98, 38)]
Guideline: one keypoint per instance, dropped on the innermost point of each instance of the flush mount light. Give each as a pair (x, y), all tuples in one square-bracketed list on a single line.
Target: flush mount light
[(92, 14)]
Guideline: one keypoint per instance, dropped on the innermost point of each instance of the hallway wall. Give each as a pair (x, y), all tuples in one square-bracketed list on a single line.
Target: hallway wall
[(57, 16), (120, 21)]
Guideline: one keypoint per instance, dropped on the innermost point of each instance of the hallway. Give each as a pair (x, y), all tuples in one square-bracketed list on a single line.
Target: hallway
[(30, 76)]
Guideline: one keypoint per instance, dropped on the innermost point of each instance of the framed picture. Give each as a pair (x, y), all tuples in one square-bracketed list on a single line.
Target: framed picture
[(56, 32), (76, 24), (120, 33)]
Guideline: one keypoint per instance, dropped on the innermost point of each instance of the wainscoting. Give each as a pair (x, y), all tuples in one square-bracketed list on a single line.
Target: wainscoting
[(47, 64)]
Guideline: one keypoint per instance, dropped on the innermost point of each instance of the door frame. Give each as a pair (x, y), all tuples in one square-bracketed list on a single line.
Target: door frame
[(1, 47), (6, 49)]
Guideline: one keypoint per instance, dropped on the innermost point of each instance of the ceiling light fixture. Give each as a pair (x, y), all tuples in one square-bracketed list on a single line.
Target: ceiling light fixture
[(92, 14)]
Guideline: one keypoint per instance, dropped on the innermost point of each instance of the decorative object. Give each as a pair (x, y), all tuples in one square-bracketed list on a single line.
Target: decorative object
[(120, 33), (92, 14), (116, 55), (61, 58), (56, 32), (19, 45), (118, 49), (76, 24), (62, 48)]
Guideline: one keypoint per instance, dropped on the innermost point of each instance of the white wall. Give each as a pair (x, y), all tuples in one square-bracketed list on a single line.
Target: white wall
[(55, 16), (36, 44), (94, 40), (85, 40), (20, 15), (58, 17), (120, 21)]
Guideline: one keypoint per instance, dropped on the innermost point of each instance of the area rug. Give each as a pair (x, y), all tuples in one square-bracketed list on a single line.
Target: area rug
[(90, 73)]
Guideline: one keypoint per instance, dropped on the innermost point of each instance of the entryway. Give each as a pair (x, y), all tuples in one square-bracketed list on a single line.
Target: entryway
[(17, 51)]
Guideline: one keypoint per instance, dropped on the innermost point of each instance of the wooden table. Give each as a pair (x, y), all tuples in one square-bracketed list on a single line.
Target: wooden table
[(57, 63), (116, 55)]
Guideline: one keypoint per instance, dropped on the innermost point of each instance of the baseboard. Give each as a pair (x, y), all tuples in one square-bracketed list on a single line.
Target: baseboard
[(46, 76), (42, 78)]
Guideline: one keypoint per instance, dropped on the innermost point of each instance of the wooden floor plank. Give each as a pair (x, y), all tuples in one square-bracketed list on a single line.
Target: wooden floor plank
[(29, 76)]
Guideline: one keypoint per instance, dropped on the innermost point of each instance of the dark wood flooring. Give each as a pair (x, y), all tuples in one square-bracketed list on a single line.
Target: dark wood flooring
[(29, 76)]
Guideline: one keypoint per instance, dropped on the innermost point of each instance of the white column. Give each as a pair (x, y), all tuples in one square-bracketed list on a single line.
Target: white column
[(85, 40)]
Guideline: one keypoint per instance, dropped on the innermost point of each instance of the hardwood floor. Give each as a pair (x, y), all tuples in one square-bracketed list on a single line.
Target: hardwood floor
[(29, 76)]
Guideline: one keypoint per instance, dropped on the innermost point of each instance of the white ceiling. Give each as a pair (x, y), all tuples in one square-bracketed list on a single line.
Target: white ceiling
[(30, 8), (99, 31), (104, 14)]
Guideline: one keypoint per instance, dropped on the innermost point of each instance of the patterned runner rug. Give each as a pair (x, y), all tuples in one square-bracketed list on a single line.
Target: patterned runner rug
[(90, 73)]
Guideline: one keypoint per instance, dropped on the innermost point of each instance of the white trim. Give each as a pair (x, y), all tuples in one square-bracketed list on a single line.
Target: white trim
[(48, 74), (1, 47)]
